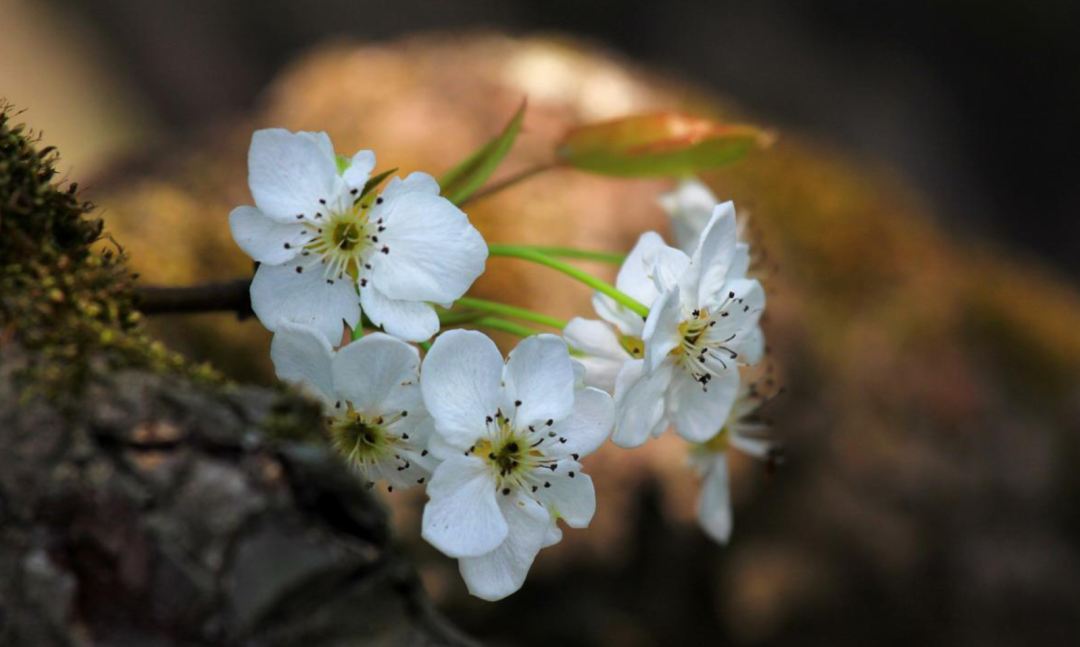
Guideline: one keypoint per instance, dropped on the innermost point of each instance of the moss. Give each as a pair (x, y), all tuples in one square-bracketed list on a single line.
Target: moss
[(68, 303)]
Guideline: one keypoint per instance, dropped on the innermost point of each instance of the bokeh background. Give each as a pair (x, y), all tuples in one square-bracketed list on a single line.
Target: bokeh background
[(918, 210)]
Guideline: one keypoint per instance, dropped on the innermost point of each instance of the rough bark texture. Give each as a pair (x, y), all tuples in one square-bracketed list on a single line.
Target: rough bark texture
[(163, 514)]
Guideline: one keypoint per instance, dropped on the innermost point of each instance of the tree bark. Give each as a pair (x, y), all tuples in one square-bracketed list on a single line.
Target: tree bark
[(150, 511)]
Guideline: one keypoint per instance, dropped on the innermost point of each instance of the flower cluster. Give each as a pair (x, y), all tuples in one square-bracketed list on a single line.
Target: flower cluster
[(497, 443)]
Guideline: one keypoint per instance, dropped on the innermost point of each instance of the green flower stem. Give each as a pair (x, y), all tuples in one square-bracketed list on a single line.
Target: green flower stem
[(497, 323), (530, 254), (582, 254), (511, 311), (448, 318), (424, 346)]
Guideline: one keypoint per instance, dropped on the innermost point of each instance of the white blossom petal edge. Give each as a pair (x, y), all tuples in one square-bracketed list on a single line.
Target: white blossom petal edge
[(370, 390), (511, 436), (701, 328), (746, 431), (323, 245)]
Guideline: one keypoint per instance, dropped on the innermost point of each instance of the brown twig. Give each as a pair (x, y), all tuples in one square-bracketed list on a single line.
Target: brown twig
[(228, 296)]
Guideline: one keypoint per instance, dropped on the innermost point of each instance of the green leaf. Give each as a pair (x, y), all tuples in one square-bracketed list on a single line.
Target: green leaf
[(374, 182), (464, 179), (658, 144)]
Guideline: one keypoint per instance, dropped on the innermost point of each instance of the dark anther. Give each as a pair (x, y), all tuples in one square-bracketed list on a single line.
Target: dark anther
[(423, 453), (549, 422), (321, 201), (506, 491), (385, 250), (571, 475), (513, 447), (546, 484), (404, 436), (489, 420), (378, 200), (420, 480), (404, 413), (288, 246), (517, 403), (299, 269), (574, 456)]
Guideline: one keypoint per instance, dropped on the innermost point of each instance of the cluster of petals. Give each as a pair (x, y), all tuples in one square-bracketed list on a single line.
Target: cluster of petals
[(510, 436), (326, 248), (680, 366)]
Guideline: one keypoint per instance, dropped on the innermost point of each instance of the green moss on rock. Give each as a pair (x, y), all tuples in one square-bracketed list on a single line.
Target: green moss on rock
[(65, 300)]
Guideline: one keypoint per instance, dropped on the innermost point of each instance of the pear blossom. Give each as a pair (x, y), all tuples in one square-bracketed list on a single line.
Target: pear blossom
[(326, 249), (689, 207), (744, 430), (370, 391), (606, 344), (699, 330), (510, 436)]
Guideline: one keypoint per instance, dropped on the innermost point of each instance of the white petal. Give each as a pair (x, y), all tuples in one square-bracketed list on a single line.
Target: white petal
[(633, 278), (756, 447), (570, 498), (740, 265), (501, 572), (443, 449), (280, 294), (714, 506), (753, 346), (698, 411), (554, 534), (369, 371), (414, 183), (690, 205), (263, 238), (461, 378), (744, 301), (289, 173), (432, 252), (463, 518), (603, 354), (716, 251), (639, 403), (540, 376), (668, 268), (661, 335), (628, 322), (302, 355), (409, 320), (587, 427), (359, 171)]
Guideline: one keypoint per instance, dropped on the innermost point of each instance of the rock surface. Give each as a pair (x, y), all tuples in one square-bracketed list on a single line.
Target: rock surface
[(162, 514)]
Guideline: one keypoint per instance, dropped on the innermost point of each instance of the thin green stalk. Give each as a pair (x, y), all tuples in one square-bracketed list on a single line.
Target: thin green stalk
[(513, 180), (497, 323), (448, 318), (511, 311), (529, 254), (424, 346), (582, 254)]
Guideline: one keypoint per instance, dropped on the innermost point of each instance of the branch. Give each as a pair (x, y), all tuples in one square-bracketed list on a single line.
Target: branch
[(227, 296)]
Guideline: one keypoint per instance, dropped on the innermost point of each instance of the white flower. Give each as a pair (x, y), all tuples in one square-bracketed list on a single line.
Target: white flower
[(744, 430), (370, 391), (689, 207), (324, 251), (510, 436), (700, 329), (606, 345)]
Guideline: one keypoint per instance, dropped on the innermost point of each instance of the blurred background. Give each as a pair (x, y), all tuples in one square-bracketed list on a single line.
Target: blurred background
[(919, 214)]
